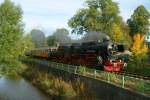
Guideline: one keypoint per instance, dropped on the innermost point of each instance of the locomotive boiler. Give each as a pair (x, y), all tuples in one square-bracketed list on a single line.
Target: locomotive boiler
[(100, 55)]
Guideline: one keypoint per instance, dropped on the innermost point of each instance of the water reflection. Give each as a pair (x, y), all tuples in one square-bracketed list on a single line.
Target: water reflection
[(11, 89)]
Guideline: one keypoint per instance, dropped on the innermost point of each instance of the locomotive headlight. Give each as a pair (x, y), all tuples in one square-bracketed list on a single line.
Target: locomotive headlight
[(125, 64)]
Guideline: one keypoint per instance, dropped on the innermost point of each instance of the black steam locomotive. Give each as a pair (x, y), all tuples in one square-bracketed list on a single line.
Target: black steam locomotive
[(91, 54)]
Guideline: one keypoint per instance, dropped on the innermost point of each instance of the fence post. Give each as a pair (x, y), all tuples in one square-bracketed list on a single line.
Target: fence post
[(68, 67), (108, 77), (51, 64), (75, 70), (48, 64), (83, 70), (123, 81), (95, 74), (62, 66), (57, 65)]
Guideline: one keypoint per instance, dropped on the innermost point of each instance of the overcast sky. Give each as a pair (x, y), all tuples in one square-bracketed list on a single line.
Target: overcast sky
[(48, 15)]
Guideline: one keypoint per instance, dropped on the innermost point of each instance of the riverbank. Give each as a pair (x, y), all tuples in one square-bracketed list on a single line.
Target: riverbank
[(56, 87)]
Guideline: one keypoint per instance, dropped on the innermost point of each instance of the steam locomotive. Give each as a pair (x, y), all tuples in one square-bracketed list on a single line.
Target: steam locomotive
[(100, 55)]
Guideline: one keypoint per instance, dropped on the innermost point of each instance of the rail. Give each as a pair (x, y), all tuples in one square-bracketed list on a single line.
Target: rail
[(122, 80)]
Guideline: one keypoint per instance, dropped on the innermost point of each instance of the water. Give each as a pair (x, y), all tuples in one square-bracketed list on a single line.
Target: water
[(11, 89)]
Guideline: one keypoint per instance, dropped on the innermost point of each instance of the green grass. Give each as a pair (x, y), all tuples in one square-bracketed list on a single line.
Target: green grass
[(141, 70)]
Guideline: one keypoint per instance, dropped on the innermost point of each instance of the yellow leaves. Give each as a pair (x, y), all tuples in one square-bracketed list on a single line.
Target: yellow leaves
[(116, 35), (139, 47)]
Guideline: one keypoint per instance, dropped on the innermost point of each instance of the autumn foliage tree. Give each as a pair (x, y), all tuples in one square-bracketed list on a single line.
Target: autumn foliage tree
[(139, 49)]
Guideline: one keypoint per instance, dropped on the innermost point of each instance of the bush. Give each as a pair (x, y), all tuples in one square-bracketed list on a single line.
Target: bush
[(141, 70), (12, 68)]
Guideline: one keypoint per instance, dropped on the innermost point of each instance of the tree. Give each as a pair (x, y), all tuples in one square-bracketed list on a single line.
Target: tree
[(11, 36), (139, 21), (11, 30), (60, 36), (99, 15), (51, 41), (126, 36), (38, 38), (26, 44), (139, 48), (116, 34)]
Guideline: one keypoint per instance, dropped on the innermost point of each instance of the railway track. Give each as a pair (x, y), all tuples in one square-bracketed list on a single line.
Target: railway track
[(125, 73)]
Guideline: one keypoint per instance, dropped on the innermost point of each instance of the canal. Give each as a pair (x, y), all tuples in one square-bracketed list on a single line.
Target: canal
[(20, 89)]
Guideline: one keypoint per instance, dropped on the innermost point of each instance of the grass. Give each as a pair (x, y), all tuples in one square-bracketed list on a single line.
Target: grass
[(140, 70), (81, 69), (56, 87), (141, 67)]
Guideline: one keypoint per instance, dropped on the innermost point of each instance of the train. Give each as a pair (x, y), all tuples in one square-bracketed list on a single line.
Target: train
[(100, 55)]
